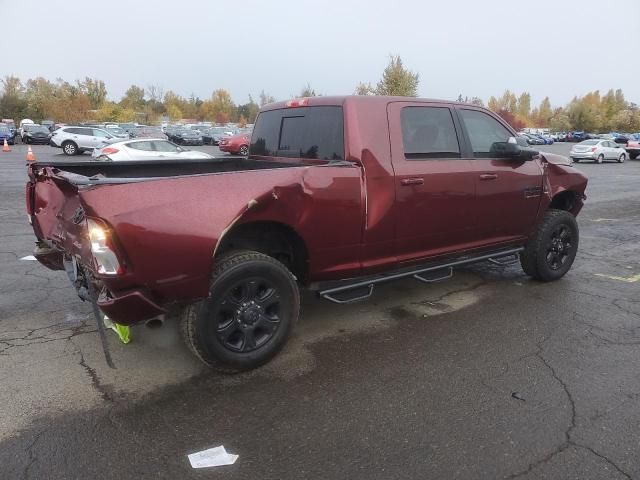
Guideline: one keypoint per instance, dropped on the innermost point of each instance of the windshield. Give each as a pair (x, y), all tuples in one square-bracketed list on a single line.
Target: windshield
[(39, 128), (4, 129)]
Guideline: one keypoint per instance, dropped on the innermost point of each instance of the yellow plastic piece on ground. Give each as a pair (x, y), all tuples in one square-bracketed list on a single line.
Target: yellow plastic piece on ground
[(123, 332)]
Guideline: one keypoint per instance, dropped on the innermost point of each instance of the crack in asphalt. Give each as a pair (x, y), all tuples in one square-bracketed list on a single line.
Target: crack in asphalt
[(104, 391), (568, 441), (32, 457)]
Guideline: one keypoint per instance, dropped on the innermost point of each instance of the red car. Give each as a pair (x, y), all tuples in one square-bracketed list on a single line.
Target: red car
[(338, 194), (237, 145)]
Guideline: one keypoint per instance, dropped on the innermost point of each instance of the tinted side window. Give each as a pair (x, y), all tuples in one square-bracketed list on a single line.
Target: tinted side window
[(85, 131), (483, 131), (165, 147), (428, 132), (308, 132)]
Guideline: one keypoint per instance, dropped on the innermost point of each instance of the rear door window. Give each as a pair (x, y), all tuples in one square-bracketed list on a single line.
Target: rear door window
[(428, 132), (483, 131), (307, 132), (144, 146)]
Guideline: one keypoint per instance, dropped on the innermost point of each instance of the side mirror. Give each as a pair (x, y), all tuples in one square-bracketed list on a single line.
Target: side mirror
[(513, 149)]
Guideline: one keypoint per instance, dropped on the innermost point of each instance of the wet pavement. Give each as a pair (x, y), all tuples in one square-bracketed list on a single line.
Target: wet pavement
[(488, 375)]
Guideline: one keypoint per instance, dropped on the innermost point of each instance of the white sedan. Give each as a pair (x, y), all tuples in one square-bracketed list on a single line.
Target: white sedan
[(146, 149), (598, 151)]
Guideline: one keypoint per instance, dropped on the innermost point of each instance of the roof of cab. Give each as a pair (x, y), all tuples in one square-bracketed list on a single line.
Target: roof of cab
[(341, 100)]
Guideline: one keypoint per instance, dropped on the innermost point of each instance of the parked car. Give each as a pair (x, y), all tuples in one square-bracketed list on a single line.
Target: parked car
[(146, 149), (598, 151), (148, 132), (128, 126), (577, 136), (75, 140), (48, 123), (236, 145), (36, 134), (5, 134), (187, 136), (117, 131), (23, 122), (213, 135), (226, 244), (532, 139), (11, 125)]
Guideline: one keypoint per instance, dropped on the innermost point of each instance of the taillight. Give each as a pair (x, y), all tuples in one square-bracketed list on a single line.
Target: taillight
[(298, 102), (593, 149), (101, 242), (109, 151)]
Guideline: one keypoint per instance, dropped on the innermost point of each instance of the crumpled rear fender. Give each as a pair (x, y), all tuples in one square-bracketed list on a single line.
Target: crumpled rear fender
[(169, 229)]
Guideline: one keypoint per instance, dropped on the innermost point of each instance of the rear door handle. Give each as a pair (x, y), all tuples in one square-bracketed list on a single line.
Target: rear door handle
[(488, 176), (412, 181)]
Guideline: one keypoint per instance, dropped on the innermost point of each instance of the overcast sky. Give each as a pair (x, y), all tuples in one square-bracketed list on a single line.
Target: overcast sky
[(477, 48)]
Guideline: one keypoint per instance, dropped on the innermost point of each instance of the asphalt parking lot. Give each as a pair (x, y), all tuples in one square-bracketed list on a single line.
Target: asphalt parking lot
[(488, 375)]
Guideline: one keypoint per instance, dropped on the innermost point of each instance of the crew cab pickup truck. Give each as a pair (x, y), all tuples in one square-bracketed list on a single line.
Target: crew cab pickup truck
[(337, 195)]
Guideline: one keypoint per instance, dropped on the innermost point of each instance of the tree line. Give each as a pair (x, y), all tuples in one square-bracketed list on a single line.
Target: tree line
[(41, 99)]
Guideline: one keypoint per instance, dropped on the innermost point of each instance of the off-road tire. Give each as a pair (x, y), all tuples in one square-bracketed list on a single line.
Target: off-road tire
[(534, 258), (199, 323)]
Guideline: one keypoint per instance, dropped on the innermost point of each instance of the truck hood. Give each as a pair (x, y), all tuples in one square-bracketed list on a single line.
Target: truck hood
[(556, 159)]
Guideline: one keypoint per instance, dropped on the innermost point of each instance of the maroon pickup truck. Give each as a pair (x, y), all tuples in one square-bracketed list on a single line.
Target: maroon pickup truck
[(337, 195)]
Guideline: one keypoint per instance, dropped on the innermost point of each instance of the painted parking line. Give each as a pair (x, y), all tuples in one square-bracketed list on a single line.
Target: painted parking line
[(631, 279)]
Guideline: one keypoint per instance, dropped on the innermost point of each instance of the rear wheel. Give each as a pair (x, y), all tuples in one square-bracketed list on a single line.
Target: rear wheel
[(576, 160), (622, 158), (69, 148), (600, 158), (244, 150), (633, 155), (245, 321), (551, 250)]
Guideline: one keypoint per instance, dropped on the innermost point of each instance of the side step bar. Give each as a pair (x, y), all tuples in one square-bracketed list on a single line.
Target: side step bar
[(330, 293)]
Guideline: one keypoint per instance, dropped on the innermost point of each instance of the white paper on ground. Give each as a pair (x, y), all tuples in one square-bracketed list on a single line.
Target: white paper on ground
[(213, 457), (28, 257)]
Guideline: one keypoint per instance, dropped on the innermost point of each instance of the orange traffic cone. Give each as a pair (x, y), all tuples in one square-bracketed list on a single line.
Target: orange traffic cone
[(5, 147), (30, 156)]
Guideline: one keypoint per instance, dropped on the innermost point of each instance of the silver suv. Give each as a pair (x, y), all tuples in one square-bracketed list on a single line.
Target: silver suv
[(74, 140)]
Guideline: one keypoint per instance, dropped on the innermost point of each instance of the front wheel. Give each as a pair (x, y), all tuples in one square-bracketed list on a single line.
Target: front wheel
[(600, 158), (246, 319), (622, 158), (550, 252)]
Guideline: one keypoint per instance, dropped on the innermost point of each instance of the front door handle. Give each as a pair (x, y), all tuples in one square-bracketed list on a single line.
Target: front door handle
[(488, 176), (412, 181)]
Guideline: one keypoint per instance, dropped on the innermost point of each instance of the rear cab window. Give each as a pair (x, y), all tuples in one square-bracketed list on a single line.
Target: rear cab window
[(315, 132)]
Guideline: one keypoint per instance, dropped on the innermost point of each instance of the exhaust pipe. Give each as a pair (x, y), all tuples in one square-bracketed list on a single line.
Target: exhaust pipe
[(154, 323)]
